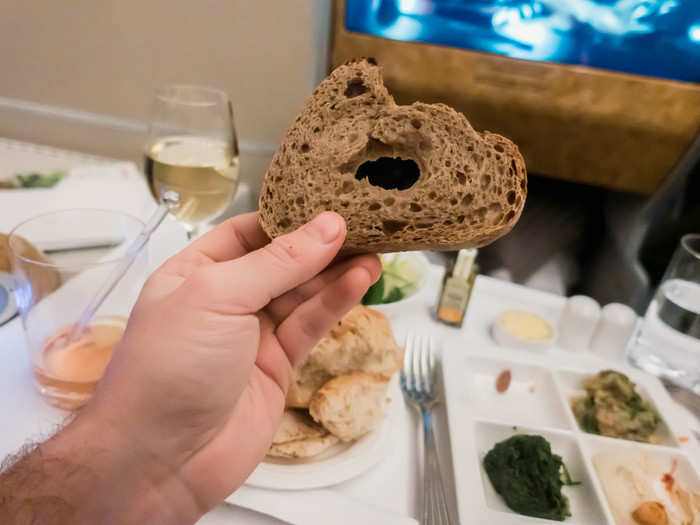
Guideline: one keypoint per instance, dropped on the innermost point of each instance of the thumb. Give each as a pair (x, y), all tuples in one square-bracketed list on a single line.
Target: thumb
[(247, 284)]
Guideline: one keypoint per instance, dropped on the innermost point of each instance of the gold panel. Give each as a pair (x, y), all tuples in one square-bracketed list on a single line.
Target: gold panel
[(619, 131)]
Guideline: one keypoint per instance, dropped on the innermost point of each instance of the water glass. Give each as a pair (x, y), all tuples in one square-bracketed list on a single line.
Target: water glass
[(668, 342)]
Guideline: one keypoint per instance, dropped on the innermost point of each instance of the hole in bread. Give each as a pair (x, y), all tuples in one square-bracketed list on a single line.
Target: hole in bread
[(461, 178), (485, 181), (389, 201), (510, 215), (391, 227), (300, 201), (432, 195), (344, 204), (422, 225), (305, 148), (468, 199), (317, 129), (347, 187), (355, 88), (284, 223), (510, 197), (390, 173), (416, 123), (522, 183), (374, 206), (460, 219), (499, 148), (453, 201), (448, 164), (415, 207)]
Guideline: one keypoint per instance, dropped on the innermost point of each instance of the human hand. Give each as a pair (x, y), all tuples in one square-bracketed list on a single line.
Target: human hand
[(197, 385)]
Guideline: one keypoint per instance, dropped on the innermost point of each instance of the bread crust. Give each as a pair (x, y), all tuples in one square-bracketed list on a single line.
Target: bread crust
[(470, 190)]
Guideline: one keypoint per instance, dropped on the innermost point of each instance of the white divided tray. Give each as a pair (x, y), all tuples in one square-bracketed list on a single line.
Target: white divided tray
[(538, 402)]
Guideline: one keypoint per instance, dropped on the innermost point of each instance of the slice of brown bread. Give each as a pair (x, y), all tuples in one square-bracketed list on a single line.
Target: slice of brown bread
[(403, 177)]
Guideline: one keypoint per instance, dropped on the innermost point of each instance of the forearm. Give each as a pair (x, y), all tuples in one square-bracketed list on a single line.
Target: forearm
[(85, 475)]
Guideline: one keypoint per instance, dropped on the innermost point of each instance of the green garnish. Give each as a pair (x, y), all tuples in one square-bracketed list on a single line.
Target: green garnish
[(375, 293), (523, 470), (38, 180), (33, 180), (398, 280)]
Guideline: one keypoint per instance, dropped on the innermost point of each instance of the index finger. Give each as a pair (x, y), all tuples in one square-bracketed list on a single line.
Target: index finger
[(229, 240)]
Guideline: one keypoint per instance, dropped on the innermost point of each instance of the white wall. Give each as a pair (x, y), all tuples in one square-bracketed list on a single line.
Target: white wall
[(78, 74)]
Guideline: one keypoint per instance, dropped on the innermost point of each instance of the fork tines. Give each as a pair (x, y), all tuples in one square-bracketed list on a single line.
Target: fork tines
[(418, 378)]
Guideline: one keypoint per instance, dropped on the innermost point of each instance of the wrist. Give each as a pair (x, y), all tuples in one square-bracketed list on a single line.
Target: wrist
[(122, 482)]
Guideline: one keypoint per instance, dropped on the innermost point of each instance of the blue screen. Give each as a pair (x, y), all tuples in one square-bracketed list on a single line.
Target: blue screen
[(657, 38)]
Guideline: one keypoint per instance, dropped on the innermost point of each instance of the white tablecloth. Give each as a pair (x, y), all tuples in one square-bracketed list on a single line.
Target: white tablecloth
[(392, 485)]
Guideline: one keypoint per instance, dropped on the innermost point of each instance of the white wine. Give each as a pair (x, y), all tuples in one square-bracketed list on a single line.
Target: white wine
[(204, 172)]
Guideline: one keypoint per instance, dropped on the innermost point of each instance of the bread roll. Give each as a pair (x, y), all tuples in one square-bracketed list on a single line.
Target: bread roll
[(361, 341), (350, 405)]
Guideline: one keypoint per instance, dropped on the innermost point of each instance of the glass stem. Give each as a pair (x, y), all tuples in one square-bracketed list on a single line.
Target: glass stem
[(192, 232)]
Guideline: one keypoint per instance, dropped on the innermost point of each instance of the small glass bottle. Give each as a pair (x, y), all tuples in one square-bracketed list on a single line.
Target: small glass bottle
[(457, 288)]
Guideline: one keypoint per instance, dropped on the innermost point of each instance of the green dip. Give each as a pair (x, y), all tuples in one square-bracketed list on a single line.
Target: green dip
[(612, 407)]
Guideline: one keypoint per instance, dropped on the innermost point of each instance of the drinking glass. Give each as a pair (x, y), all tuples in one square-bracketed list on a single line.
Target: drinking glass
[(668, 341), (192, 150), (59, 261)]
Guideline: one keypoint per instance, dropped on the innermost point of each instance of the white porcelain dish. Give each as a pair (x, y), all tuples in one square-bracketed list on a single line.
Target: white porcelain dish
[(418, 261), (506, 338), (537, 401)]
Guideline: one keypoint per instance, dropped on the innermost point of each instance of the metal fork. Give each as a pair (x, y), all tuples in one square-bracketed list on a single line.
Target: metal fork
[(419, 384)]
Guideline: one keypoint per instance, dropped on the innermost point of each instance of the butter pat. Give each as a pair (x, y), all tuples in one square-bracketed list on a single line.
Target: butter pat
[(522, 329)]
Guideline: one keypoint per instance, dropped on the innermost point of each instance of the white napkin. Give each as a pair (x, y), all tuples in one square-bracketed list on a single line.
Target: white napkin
[(119, 186), (314, 507)]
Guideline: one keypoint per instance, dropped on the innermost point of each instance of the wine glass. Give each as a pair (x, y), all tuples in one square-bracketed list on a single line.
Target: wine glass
[(192, 150)]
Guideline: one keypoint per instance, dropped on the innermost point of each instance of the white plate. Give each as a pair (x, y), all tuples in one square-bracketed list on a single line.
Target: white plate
[(340, 463)]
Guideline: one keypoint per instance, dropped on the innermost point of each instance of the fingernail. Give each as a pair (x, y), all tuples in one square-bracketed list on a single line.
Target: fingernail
[(325, 227)]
